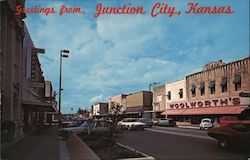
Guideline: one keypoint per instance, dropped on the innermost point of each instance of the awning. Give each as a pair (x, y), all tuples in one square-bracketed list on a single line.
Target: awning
[(211, 84), (237, 79), (41, 106), (223, 81), (193, 88), (137, 109), (202, 86), (206, 111), (31, 101)]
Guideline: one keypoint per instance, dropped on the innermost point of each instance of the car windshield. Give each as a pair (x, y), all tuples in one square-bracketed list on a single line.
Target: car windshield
[(207, 121), (129, 120)]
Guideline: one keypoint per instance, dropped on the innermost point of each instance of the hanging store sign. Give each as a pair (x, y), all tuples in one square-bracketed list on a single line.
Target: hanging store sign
[(37, 85)]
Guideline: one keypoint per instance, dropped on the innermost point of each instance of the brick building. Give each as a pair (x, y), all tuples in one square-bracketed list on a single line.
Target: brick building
[(159, 100), (36, 98), (214, 92)]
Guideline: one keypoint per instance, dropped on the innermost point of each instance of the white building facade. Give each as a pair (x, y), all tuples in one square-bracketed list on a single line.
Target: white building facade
[(175, 93)]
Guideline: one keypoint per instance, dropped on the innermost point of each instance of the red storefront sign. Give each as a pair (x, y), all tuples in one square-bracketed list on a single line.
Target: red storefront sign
[(228, 101)]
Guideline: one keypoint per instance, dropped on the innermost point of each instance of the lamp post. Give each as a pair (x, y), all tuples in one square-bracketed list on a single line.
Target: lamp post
[(65, 55)]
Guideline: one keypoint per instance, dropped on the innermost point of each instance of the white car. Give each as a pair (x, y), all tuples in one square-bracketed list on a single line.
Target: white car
[(206, 123), (131, 124)]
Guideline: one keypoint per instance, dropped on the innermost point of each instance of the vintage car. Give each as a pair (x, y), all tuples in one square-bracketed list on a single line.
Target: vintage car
[(149, 122), (232, 134), (87, 126), (206, 123), (169, 122), (228, 119), (131, 124)]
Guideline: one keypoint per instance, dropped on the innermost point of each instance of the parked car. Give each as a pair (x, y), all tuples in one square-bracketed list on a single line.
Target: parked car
[(71, 123), (206, 123), (147, 121), (131, 124), (169, 122), (155, 121), (87, 126), (232, 134), (227, 120)]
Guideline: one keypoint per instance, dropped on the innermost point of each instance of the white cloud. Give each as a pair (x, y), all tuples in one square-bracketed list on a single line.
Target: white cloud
[(96, 99), (121, 54)]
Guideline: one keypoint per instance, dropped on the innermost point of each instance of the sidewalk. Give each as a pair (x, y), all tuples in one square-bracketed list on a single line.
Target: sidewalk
[(188, 125), (42, 145)]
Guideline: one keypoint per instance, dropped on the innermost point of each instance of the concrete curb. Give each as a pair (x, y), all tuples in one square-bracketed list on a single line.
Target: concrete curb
[(79, 150), (146, 157)]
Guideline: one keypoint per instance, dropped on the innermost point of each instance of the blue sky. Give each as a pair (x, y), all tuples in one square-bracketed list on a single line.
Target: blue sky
[(115, 54)]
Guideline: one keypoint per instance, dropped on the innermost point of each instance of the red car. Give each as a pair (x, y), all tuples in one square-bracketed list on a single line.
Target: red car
[(228, 119), (232, 134)]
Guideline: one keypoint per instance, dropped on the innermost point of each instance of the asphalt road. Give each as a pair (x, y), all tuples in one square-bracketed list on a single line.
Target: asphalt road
[(171, 143)]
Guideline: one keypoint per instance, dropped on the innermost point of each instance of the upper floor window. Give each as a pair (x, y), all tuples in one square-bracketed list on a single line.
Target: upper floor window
[(193, 90), (212, 87), (224, 84), (237, 82), (169, 95), (202, 88), (181, 93)]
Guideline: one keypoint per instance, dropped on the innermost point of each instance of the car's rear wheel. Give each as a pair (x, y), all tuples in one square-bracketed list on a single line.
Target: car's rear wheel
[(222, 143)]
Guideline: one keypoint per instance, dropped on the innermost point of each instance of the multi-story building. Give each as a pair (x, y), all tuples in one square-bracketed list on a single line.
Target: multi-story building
[(12, 34), (50, 96), (159, 100), (176, 92), (118, 100), (34, 102), (139, 104), (214, 92), (100, 109)]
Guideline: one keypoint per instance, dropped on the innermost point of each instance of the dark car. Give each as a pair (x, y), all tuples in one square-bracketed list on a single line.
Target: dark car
[(149, 122), (169, 122), (232, 134)]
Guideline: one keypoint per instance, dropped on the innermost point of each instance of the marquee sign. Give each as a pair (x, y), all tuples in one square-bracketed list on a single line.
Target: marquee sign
[(226, 101)]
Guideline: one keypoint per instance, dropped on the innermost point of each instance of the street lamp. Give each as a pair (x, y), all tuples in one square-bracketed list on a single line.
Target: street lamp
[(63, 54)]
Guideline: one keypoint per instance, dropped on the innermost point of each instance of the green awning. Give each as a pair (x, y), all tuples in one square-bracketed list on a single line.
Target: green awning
[(223, 82), (202, 86), (193, 88), (211, 84), (237, 79)]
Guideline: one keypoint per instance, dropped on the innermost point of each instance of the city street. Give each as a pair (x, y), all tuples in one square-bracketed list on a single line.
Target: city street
[(179, 143)]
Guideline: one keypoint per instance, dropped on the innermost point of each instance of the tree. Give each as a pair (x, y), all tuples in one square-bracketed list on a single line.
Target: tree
[(116, 114)]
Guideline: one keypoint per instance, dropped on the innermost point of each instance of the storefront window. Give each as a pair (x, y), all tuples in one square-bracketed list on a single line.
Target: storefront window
[(224, 84), (202, 88), (193, 90), (237, 82), (212, 87)]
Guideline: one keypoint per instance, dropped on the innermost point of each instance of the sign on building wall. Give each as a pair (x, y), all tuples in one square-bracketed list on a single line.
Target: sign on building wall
[(218, 102)]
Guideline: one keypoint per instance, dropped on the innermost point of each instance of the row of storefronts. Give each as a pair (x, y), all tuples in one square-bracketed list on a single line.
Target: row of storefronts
[(213, 92), (25, 95)]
